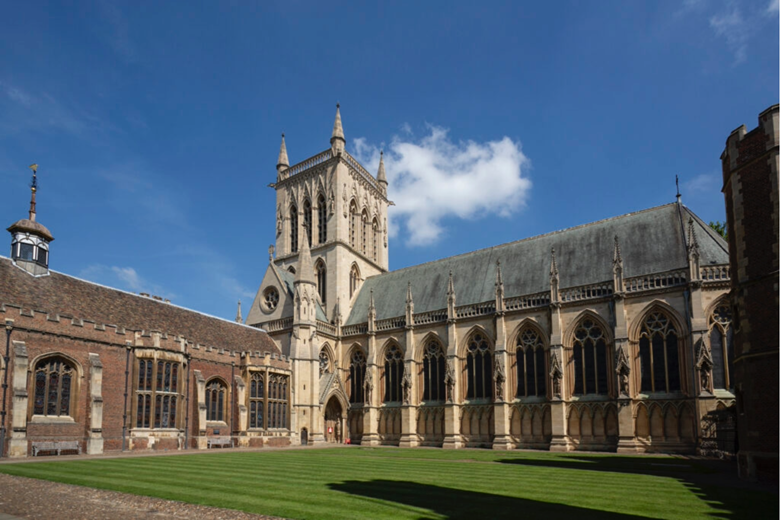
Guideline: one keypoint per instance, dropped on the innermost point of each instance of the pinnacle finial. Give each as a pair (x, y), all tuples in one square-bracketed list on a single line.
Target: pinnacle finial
[(305, 272), (239, 318), (283, 161), (499, 278), (553, 264), (338, 130), (33, 189), (617, 257), (380, 174), (693, 242)]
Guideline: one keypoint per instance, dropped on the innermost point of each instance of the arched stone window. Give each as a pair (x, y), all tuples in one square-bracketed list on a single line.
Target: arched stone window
[(374, 234), (307, 219), (277, 400), (659, 354), (321, 279), (357, 376), (326, 366), (722, 347), (590, 359), (531, 364), (322, 219), (364, 228), (293, 229), (434, 370), (354, 280), (157, 393), (393, 373), (216, 398), (55, 378), (353, 224), (479, 368), (257, 400)]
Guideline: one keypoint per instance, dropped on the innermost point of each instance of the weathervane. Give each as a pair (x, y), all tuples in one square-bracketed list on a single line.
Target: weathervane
[(33, 188), (677, 183)]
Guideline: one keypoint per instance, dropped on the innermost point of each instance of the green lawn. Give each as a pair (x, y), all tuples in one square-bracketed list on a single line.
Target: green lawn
[(343, 483)]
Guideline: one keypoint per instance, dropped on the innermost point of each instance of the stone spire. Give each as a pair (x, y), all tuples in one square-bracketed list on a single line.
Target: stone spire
[(283, 163), (239, 318), (381, 177), (554, 280), (693, 251), (371, 314), (499, 288), (450, 298), (337, 141), (409, 306), (305, 272), (617, 268)]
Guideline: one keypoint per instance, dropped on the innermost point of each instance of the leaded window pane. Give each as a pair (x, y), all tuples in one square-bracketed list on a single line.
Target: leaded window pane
[(541, 373), (578, 375)]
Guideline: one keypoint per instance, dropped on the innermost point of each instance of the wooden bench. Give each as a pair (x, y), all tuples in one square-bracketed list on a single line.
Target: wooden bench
[(220, 441), (58, 446)]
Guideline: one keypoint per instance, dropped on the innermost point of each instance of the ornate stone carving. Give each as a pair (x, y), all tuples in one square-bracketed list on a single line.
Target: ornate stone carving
[(368, 387), (279, 220), (623, 370), (406, 387), (556, 374), (449, 381), (498, 379), (704, 365), (344, 198)]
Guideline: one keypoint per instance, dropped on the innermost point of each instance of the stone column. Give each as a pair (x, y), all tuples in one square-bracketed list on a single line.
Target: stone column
[(17, 446), (501, 408), (371, 411), (409, 385), (560, 438), (200, 395), (243, 413), (452, 437), (95, 440)]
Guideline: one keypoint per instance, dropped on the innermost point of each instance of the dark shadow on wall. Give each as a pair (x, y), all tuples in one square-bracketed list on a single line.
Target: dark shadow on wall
[(458, 504)]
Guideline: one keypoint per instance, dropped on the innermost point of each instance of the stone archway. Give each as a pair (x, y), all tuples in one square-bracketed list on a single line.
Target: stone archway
[(334, 421)]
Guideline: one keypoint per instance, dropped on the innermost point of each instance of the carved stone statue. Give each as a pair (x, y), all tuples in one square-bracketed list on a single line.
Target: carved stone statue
[(279, 220), (368, 386), (704, 364), (406, 387), (498, 379), (623, 370), (555, 374), (449, 381)]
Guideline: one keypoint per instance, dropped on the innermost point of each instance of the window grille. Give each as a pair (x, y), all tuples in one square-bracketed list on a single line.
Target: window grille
[(307, 219), (294, 229), (722, 347), (216, 391), (321, 280), (479, 368), (53, 387), (256, 400), (393, 373), (531, 365), (659, 355), (277, 400), (157, 394), (434, 370), (322, 217), (357, 375)]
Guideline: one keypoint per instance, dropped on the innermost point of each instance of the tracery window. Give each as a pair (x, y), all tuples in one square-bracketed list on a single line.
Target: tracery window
[(322, 220), (364, 228), (479, 368), (53, 387), (393, 373), (293, 229), (277, 400), (216, 393), (357, 376), (722, 347), (354, 280), (374, 233), (321, 279), (325, 363), (353, 224), (434, 370), (307, 219), (590, 359), (257, 400), (157, 393), (659, 354), (531, 366)]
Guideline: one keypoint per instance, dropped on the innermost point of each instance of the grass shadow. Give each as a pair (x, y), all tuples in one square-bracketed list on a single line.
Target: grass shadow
[(459, 504)]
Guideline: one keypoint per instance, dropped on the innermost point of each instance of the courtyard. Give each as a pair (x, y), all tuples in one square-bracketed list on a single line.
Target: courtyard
[(384, 483)]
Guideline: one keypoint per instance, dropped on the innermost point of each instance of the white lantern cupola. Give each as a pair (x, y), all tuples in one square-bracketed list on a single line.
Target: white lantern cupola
[(30, 239)]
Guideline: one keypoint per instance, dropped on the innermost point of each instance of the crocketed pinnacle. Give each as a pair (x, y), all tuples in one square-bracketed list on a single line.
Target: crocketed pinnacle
[(338, 130), (239, 318), (305, 273), (283, 160), (380, 174)]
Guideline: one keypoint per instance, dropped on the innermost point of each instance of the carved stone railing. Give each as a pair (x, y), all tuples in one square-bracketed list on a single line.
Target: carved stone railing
[(527, 302), (425, 318), (656, 281), (477, 309), (326, 328), (362, 171), (587, 292), (354, 330), (277, 325), (391, 323), (308, 163), (716, 273)]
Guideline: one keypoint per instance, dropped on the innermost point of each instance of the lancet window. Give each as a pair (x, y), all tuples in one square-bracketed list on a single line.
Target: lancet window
[(322, 220), (216, 397), (393, 373), (434, 370), (257, 400), (722, 347), (479, 368), (659, 354), (357, 376), (294, 229), (307, 219), (354, 280), (157, 395), (590, 359), (531, 364), (353, 224), (321, 279), (374, 234), (364, 228), (54, 381)]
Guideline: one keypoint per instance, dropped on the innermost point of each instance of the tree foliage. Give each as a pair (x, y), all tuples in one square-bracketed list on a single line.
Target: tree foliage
[(720, 228)]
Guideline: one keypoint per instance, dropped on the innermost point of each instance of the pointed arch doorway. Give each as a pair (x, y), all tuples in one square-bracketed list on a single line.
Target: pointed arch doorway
[(334, 421)]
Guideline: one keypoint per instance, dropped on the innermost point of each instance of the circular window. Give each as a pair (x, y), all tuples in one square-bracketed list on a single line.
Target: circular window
[(270, 299)]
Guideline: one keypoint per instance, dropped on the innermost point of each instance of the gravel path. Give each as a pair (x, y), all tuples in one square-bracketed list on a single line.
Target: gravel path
[(32, 499)]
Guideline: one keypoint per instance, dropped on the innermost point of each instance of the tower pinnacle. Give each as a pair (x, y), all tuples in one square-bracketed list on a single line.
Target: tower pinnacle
[(381, 177), (337, 140), (305, 271), (283, 163)]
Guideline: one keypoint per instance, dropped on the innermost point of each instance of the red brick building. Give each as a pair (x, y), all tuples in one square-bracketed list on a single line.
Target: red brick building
[(750, 186), (93, 369)]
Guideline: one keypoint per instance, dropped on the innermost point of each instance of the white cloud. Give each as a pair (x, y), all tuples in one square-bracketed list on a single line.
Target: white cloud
[(706, 183), (126, 278), (773, 7), (435, 178), (731, 26)]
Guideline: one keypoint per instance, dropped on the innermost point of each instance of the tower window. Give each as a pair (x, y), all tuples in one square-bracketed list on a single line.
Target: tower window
[(322, 220), (26, 251), (321, 280), (294, 229), (307, 219), (43, 257)]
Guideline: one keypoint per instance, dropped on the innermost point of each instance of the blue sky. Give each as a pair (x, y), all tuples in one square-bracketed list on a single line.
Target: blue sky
[(156, 127)]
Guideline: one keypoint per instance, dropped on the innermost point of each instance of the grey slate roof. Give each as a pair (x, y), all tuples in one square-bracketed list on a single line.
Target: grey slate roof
[(651, 241)]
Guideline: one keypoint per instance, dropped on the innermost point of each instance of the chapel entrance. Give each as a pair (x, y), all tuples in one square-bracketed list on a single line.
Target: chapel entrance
[(334, 421)]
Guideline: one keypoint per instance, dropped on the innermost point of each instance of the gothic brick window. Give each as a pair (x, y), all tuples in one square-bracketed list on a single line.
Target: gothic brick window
[(277, 400), (354, 280), (326, 366), (293, 229), (364, 228), (357, 376), (374, 234), (722, 347), (531, 364), (434, 370), (321, 279), (307, 219), (393, 373), (216, 397), (157, 394), (353, 224), (54, 387), (590, 359), (479, 368), (322, 219), (659, 354), (256, 400)]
